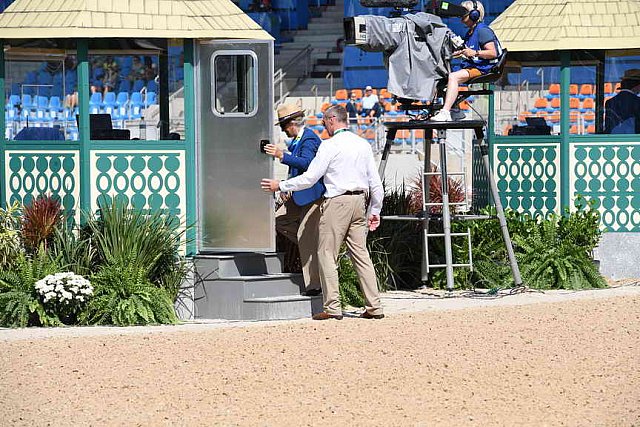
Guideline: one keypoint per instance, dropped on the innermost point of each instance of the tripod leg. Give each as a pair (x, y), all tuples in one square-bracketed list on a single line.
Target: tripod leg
[(391, 136), (446, 215), (426, 182), (515, 270)]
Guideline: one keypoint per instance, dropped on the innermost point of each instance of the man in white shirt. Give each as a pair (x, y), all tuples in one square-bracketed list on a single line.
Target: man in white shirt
[(370, 103), (346, 164)]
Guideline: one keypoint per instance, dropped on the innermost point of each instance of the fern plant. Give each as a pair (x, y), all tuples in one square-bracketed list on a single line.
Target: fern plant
[(10, 238), (549, 262), (123, 295), (20, 306)]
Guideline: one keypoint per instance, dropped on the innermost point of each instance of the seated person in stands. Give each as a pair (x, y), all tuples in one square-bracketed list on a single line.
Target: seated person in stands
[(111, 73), (370, 103), (481, 53), (352, 107), (622, 112), (137, 70)]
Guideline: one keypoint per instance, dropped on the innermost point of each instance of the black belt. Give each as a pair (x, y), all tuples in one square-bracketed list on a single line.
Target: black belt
[(353, 193)]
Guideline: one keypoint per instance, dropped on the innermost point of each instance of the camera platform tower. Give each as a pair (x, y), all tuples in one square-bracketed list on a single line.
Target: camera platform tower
[(426, 216)]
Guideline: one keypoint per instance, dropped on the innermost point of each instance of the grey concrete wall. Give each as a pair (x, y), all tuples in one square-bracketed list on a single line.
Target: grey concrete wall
[(619, 255)]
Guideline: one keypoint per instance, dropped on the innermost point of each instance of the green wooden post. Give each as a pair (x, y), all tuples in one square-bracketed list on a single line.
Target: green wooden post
[(83, 125), (2, 125), (2, 122), (565, 125), (190, 136), (490, 134), (163, 96)]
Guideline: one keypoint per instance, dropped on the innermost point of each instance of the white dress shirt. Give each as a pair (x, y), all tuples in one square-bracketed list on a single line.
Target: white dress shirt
[(346, 163)]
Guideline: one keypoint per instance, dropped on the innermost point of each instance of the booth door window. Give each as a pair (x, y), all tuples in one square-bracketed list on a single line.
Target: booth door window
[(234, 83)]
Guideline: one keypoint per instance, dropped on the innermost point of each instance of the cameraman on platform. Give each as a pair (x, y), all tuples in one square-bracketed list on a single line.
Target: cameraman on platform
[(480, 54)]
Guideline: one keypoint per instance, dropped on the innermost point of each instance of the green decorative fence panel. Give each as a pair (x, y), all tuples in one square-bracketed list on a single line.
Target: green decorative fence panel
[(30, 173), (608, 172), (153, 180), (528, 176)]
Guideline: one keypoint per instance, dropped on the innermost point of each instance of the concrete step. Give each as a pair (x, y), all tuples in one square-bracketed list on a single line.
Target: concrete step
[(267, 285), (335, 62), (283, 308), (328, 39), (335, 69), (323, 74), (209, 267)]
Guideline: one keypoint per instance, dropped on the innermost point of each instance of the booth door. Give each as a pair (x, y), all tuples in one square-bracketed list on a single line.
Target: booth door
[(235, 98)]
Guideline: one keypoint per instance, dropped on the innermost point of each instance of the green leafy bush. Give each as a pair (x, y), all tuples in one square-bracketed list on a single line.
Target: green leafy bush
[(123, 295), (548, 261), (10, 237), (150, 241), (20, 305), (75, 252)]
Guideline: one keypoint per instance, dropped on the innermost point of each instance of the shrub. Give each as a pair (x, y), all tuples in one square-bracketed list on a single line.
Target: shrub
[(123, 295), (549, 262), (149, 241), (20, 305), (10, 238), (75, 252), (40, 220)]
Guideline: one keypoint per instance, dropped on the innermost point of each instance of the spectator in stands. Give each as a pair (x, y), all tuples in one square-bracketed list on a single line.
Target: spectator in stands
[(111, 73), (298, 214), (137, 69), (370, 103), (481, 53), (622, 112), (352, 108)]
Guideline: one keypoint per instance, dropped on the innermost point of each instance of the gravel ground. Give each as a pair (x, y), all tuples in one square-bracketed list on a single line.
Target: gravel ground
[(528, 359)]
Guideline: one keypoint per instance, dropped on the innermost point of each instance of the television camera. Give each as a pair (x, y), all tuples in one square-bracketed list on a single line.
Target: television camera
[(417, 48)]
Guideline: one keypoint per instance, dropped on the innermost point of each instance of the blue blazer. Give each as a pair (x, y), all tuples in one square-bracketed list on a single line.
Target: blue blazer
[(622, 113), (298, 161)]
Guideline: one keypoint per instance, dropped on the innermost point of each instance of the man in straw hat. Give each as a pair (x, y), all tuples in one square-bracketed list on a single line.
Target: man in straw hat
[(346, 163), (297, 218), (622, 112)]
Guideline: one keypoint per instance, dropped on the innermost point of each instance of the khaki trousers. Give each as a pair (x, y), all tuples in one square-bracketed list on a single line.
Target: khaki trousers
[(344, 217), (300, 225)]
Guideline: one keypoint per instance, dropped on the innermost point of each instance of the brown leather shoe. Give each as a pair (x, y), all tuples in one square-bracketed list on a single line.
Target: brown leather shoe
[(323, 315), (367, 315)]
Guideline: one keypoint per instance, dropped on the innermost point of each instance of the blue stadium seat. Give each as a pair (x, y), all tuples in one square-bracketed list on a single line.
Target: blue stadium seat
[(137, 85), (42, 109), (124, 86), (95, 103), (151, 98), (55, 108), (109, 103), (122, 102), (152, 86), (135, 103)]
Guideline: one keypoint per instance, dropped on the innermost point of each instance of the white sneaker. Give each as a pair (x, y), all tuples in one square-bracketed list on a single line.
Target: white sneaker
[(442, 116)]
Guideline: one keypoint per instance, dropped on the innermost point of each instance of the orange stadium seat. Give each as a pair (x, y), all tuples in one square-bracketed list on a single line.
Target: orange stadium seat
[(608, 88), (574, 103), (342, 95), (617, 87), (358, 92), (588, 104), (589, 116), (573, 130), (554, 89), (324, 134), (312, 121), (590, 129), (555, 103), (464, 105), (325, 105), (384, 93), (586, 90), (573, 90), (540, 103)]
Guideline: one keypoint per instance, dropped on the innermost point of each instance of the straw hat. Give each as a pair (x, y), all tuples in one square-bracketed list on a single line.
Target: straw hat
[(632, 74), (288, 112)]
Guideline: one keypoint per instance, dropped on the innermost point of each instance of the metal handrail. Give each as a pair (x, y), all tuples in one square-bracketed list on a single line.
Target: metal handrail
[(329, 76), (280, 74)]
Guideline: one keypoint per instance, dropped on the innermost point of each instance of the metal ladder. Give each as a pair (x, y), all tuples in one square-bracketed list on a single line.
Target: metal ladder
[(427, 217)]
